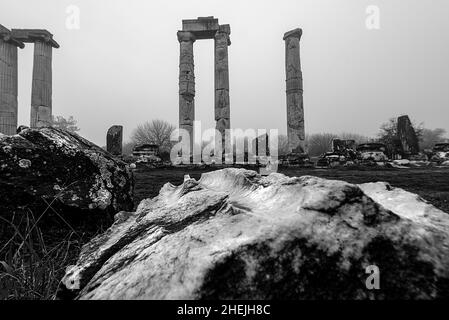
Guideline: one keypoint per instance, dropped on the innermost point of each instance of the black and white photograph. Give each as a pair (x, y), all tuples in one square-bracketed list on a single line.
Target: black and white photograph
[(224, 155)]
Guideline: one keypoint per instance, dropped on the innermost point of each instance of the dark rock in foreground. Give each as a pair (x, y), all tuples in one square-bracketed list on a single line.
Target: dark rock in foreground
[(47, 167), (236, 235)]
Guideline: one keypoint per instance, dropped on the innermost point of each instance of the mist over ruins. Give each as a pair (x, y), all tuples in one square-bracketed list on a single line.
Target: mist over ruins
[(174, 209)]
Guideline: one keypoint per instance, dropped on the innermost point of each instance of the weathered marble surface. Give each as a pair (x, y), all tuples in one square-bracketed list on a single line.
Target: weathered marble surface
[(236, 235)]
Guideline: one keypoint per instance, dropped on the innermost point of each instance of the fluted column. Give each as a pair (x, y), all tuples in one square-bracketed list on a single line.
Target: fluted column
[(8, 86), (114, 140), (41, 105), (295, 106), (186, 83), (222, 105)]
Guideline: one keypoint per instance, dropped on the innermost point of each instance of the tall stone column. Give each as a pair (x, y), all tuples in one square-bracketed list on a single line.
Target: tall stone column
[(295, 106), (8, 82), (114, 140), (186, 83), (41, 106), (222, 105)]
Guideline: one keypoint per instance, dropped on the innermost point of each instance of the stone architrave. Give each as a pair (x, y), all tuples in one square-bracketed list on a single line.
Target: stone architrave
[(8, 81), (186, 83), (294, 92), (114, 140)]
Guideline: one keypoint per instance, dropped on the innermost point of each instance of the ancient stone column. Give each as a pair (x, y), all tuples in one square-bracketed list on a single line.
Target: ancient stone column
[(222, 106), (114, 140), (41, 107), (8, 82), (295, 107), (186, 83), (407, 137)]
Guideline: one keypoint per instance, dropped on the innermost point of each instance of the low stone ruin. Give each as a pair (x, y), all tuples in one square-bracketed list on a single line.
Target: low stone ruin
[(343, 152), (48, 165), (114, 140), (234, 234), (440, 153)]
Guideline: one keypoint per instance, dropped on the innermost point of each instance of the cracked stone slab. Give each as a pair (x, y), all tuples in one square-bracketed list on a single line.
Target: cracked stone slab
[(234, 234)]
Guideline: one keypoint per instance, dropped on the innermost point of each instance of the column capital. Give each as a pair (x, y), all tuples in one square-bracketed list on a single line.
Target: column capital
[(6, 36), (186, 36), (295, 33), (34, 35), (226, 28), (221, 34)]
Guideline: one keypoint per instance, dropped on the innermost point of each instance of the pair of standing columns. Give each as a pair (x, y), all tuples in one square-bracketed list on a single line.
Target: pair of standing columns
[(187, 82), (41, 92)]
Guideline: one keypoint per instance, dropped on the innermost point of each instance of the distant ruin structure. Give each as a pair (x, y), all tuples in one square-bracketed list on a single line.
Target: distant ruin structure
[(114, 140), (294, 92), (146, 150), (341, 145), (41, 92), (407, 136), (197, 29)]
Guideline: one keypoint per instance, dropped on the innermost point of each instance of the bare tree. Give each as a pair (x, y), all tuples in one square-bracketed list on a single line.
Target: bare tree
[(154, 132), (319, 143), (283, 148), (69, 124)]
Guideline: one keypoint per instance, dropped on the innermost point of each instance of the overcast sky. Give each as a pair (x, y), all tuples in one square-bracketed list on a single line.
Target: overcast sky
[(121, 65)]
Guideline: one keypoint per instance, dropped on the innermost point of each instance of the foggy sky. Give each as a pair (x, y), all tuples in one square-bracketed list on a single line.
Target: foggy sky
[(121, 66)]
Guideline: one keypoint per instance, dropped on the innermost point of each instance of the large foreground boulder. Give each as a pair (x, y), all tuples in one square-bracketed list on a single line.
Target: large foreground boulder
[(51, 168), (236, 235)]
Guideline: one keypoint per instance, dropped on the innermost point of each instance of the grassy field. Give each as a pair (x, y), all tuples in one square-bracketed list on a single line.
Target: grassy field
[(35, 252), (431, 184)]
